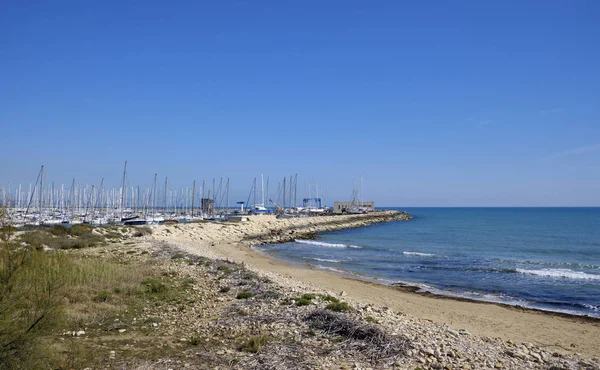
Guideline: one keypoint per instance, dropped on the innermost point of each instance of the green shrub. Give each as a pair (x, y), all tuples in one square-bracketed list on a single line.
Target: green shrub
[(309, 296), (194, 341), (81, 237), (224, 269), (224, 289), (31, 300), (330, 298), (244, 295), (59, 230), (154, 285), (254, 343), (80, 229), (142, 230), (249, 275), (371, 319), (338, 307), (302, 301)]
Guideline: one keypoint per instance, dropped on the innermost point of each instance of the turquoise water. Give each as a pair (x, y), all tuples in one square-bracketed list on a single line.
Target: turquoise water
[(546, 258)]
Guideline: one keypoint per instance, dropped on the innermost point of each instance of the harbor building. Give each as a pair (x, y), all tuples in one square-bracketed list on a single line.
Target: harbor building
[(208, 206), (351, 207)]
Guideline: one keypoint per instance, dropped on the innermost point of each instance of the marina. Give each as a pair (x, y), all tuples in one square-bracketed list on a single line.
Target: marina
[(44, 203)]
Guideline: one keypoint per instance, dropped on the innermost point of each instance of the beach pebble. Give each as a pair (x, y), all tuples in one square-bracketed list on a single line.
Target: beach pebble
[(453, 332)]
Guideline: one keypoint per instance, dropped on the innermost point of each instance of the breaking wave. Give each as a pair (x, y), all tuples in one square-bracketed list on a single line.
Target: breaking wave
[(561, 273), (407, 253), (325, 260), (325, 245)]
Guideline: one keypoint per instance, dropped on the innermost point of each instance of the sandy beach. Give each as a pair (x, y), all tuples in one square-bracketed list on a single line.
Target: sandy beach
[(553, 332)]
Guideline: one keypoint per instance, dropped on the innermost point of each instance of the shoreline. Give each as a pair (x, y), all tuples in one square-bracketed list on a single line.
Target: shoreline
[(415, 288), (554, 331)]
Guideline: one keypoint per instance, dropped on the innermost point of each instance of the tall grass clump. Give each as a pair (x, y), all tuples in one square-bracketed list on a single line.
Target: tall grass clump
[(31, 287), (45, 292)]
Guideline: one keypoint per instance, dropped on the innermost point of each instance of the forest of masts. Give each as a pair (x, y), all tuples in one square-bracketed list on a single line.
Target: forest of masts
[(46, 202)]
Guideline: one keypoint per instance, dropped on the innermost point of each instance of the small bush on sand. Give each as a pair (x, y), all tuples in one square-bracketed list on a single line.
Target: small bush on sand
[(244, 295), (154, 285), (330, 298), (302, 301), (371, 320), (254, 343), (224, 289), (141, 231), (338, 307)]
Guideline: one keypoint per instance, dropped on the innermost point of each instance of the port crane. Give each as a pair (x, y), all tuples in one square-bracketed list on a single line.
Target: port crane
[(278, 209)]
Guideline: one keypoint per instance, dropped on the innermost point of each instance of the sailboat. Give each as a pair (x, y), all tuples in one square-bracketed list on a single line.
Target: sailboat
[(259, 208), (357, 206)]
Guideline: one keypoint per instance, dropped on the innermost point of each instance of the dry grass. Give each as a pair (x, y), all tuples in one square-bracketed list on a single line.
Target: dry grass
[(98, 289), (368, 339), (61, 237), (43, 293)]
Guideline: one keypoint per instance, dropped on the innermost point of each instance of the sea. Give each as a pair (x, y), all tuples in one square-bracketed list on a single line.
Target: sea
[(543, 258)]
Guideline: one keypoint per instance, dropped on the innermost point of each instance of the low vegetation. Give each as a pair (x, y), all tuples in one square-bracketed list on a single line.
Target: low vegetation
[(338, 306), (61, 237), (360, 337), (244, 295), (44, 292), (254, 343)]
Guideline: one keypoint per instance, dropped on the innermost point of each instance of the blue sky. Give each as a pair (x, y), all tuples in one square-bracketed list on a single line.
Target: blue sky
[(463, 103)]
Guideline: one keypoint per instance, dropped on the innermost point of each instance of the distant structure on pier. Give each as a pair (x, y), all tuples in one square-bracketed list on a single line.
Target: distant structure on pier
[(353, 207), (208, 206)]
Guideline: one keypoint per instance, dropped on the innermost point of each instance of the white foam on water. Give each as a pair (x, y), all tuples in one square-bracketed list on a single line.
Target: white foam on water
[(407, 253), (591, 307), (325, 260), (326, 245), (561, 273)]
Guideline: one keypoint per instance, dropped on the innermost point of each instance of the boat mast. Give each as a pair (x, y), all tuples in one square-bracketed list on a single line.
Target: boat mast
[(362, 193), (166, 208), (123, 190), (204, 208), (267, 190), (262, 188), (227, 201), (91, 205), (72, 205), (283, 208), (154, 196), (41, 192), (193, 197), (100, 196), (296, 191), (254, 186)]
